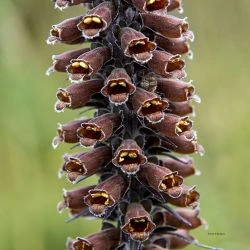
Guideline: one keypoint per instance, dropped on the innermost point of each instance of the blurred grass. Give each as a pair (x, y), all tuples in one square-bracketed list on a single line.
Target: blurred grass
[(29, 188)]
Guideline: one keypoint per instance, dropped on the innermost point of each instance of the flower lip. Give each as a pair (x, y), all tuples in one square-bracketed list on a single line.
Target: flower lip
[(79, 66), (152, 5), (98, 200)]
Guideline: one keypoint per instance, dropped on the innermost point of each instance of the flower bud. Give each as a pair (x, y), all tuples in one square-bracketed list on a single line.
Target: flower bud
[(188, 197), (81, 165), (180, 108), (172, 125), (61, 61), (105, 195), (97, 20), (138, 223), (87, 64), (77, 95), (175, 5), (173, 45), (118, 86), (175, 90), (186, 143), (129, 157), (97, 129), (135, 44), (65, 32), (73, 200), (63, 4), (184, 166), (105, 240), (166, 25), (164, 217), (150, 5), (67, 132), (161, 179), (149, 105), (164, 63)]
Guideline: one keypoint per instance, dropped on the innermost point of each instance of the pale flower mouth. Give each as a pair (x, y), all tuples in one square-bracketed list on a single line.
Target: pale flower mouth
[(152, 5), (152, 106), (79, 67), (91, 22), (90, 131)]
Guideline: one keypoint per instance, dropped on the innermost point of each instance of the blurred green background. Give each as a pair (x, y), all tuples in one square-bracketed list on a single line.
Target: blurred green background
[(29, 188)]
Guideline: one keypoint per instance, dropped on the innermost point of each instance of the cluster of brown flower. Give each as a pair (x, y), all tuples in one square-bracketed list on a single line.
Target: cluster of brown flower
[(132, 75)]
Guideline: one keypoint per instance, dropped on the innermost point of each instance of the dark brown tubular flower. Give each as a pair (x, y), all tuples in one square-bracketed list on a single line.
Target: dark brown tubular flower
[(186, 143), (174, 45), (118, 86), (151, 5), (135, 44), (81, 165), (175, 90), (164, 218), (61, 61), (67, 132), (166, 25), (66, 32), (188, 198), (149, 105), (73, 200), (184, 166), (87, 64), (161, 179), (166, 64), (77, 95), (129, 157), (130, 73), (180, 108), (106, 194), (172, 125), (104, 240), (138, 223), (98, 129), (98, 19)]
